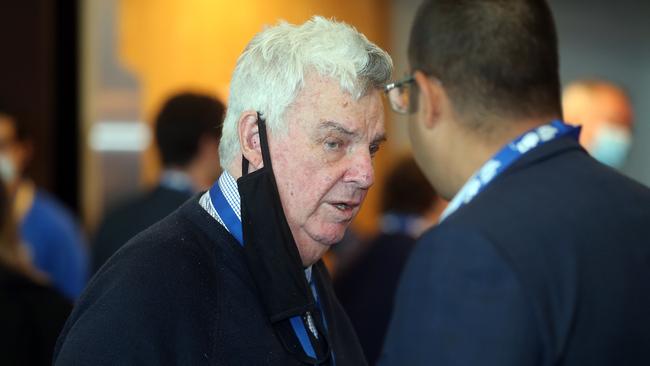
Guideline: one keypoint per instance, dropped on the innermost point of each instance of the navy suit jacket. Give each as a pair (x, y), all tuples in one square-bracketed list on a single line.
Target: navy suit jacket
[(549, 265)]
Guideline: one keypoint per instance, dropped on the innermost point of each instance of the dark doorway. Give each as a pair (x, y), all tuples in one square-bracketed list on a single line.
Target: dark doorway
[(39, 86)]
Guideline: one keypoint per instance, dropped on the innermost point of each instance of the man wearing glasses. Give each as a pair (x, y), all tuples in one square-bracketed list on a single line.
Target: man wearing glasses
[(543, 254), (234, 276)]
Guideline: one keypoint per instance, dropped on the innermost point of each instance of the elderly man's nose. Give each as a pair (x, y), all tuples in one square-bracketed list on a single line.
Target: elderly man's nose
[(361, 170)]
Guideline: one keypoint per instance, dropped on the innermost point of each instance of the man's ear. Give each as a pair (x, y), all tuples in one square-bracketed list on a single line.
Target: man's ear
[(429, 98), (249, 139)]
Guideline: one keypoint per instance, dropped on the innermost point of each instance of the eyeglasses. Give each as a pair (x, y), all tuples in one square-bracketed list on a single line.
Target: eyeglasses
[(402, 95)]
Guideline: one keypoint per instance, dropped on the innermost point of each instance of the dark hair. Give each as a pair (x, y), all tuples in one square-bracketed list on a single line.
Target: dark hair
[(181, 123), (407, 190), (495, 58)]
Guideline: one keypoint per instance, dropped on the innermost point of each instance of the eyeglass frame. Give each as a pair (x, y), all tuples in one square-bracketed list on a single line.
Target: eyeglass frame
[(412, 103)]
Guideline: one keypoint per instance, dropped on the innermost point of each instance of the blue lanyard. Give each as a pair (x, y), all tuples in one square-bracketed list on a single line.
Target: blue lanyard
[(233, 223), (505, 158), (226, 212)]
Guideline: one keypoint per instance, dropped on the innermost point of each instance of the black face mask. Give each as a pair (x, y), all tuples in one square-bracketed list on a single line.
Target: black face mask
[(274, 260)]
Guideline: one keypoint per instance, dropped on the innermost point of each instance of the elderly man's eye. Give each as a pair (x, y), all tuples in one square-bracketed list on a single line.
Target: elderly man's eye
[(373, 149), (333, 144)]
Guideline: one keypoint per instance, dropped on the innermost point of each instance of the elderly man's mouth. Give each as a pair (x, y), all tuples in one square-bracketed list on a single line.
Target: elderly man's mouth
[(346, 209), (345, 205)]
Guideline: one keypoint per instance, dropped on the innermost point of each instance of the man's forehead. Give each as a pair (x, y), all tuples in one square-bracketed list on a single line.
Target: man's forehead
[(323, 105), (355, 131)]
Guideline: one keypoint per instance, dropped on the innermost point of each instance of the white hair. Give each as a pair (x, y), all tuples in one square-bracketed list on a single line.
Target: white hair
[(272, 70)]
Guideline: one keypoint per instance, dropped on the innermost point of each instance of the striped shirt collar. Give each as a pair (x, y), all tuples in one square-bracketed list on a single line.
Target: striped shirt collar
[(228, 186)]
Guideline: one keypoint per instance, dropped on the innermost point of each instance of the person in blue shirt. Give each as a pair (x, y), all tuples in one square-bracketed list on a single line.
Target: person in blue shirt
[(32, 313), (49, 231)]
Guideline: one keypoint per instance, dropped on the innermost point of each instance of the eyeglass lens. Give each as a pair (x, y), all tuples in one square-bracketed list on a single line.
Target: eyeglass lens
[(399, 98)]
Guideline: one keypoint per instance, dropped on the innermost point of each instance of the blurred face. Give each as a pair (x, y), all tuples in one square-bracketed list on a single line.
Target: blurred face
[(323, 163), (12, 152), (595, 108)]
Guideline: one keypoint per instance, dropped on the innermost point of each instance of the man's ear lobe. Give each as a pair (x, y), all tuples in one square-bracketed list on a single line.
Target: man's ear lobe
[(429, 98), (249, 139)]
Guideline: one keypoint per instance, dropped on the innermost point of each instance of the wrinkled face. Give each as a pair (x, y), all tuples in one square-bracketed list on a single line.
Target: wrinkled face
[(323, 163)]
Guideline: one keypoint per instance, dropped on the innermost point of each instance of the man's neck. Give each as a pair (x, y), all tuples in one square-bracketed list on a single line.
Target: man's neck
[(237, 207), (234, 172), (476, 149), (234, 169)]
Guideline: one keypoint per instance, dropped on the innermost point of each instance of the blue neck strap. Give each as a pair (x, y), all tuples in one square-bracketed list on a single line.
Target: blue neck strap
[(507, 156), (227, 214), (234, 226)]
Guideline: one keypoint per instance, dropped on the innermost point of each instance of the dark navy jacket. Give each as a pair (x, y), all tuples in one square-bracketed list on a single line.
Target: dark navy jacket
[(180, 293), (550, 265)]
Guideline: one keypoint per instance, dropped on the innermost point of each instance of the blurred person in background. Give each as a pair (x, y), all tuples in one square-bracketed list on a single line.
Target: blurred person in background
[(187, 130), (50, 231), (605, 113), (366, 290), (31, 312), (542, 256), (234, 276)]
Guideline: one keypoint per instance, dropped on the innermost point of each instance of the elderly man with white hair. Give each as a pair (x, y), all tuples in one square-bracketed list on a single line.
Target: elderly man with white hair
[(234, 276)]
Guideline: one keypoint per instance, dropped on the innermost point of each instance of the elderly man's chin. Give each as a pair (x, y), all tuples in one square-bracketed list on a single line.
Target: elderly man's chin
[(316, 241)]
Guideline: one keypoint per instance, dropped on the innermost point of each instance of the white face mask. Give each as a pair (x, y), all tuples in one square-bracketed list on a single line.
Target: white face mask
[(611, 144), (7, 169)]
